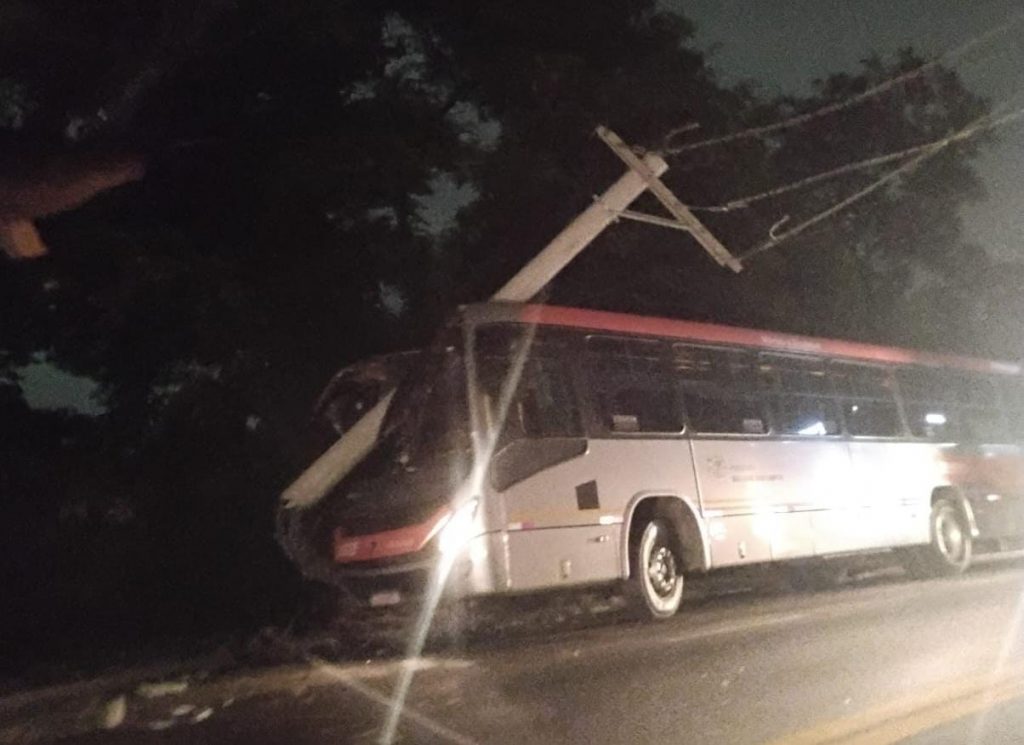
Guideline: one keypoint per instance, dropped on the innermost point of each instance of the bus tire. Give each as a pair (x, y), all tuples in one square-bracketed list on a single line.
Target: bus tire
[(951, 548), (656, 581)]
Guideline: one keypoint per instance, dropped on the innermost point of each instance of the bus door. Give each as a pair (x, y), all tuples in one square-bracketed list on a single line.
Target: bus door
[(727, 422), (808, 454), (889, 486), (545, 481)]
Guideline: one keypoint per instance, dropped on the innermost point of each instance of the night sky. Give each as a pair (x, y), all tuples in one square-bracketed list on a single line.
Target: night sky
[(783, 45)]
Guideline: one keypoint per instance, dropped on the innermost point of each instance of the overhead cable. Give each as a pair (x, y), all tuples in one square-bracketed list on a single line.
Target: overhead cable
[(860, 165), (875, 90), (983, 123)]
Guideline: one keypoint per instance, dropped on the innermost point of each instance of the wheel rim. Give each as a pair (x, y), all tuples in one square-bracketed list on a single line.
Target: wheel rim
[(949, 536), (662, 576), (661, 569)]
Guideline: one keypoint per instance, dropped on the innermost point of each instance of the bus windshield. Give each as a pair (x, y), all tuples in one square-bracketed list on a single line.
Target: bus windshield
[(428, 418), (527, 371)]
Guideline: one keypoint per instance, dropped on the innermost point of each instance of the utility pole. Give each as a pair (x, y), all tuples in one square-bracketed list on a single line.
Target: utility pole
[(578, 234), (684, 219), (643, 174)]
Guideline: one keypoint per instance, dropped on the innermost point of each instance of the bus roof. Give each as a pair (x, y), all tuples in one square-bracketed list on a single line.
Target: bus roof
[(713, 333)]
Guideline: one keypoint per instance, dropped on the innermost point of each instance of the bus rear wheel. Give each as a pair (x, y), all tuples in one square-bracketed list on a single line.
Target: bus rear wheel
[(951, 548), (657, 577)]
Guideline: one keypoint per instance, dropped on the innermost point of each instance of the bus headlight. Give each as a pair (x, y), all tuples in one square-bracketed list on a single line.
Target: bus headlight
[(459, 528)]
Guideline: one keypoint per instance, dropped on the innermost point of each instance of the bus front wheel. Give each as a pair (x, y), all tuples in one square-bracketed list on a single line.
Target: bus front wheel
[(657, 570)]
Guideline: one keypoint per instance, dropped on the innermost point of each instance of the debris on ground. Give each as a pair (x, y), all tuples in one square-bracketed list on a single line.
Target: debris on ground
[(114, 712), (363, 642), (162, 688)]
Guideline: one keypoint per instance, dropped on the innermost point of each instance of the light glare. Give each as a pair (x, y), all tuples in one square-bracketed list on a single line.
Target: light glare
[(458, 529), (818, 428)]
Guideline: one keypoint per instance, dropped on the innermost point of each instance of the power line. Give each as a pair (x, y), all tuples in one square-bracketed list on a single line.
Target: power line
[(846, 103), (860, 165), (924, 153), (778, 238)]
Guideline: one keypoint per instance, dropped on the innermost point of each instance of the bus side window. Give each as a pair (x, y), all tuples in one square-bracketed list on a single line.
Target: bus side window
[(982, 417), (632, 389), (927, 403), (545, 402), (983, 425), (803, 401), (720, 390), (868, 399)]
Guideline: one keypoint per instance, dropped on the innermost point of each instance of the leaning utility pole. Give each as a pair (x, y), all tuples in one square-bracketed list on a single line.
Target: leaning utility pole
[(684, 219), (578, 234), (643, 174)]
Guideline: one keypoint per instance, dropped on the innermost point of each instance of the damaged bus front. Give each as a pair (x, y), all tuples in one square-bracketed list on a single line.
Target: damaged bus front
[(379, 532)]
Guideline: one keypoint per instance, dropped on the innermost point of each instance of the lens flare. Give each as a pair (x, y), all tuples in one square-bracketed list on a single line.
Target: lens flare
[(459, 527)]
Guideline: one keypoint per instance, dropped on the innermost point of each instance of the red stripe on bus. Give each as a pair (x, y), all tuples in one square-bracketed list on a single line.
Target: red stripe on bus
[(711, 333)]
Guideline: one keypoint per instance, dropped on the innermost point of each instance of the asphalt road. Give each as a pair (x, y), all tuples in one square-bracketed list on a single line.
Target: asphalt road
[(878, 661)]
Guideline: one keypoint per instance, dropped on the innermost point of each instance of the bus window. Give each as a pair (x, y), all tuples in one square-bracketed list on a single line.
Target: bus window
[(980, 413), (868, 400), (932, 421), (806, 416), (720, 390), (632, 389), (926, 398), (983, 425), (802, 399), (543, 403), (973, 390)]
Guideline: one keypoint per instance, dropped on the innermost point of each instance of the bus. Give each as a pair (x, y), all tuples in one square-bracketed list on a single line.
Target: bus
[(537, 447)]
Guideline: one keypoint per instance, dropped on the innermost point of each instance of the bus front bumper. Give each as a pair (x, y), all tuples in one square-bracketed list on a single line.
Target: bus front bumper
[(478, 568)]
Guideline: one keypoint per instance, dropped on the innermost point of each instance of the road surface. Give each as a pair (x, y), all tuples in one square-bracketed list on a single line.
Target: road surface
[(878, 661)]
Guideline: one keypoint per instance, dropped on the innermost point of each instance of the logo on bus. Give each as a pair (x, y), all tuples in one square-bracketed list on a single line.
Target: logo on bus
[(716, 463)]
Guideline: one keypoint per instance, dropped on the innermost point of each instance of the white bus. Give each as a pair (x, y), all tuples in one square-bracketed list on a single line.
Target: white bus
[(541, 447)]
